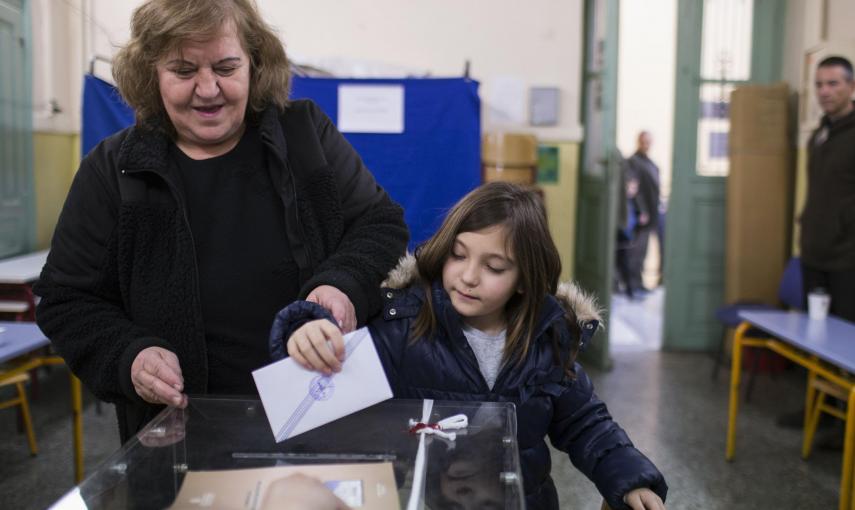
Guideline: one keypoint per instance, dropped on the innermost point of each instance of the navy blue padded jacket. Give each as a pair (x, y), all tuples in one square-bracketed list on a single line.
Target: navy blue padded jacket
[(549, 402)]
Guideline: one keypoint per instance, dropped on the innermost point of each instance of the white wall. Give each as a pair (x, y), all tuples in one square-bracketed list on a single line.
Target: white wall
[(841, 15), (808, 25), (813, 29), (647, 56), (57, 54), (535, 43)]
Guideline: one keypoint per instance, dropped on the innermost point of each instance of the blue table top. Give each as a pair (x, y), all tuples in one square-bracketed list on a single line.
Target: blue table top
[(831, 339), (17, 338)]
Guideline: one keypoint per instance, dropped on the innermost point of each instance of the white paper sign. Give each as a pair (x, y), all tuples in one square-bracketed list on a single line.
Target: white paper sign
[(297, 400), (371, 108), (506, 101)]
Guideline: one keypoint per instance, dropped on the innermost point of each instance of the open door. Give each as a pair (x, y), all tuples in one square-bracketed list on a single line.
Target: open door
[(598, 178), (722, 44), (17, 209)]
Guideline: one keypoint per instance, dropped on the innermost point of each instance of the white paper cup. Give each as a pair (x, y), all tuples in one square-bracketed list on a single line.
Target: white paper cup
[(818, 303)]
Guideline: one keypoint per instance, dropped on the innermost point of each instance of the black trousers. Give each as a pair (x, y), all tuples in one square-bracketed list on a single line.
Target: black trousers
[(622, 261), (636, 255), (840, 285)]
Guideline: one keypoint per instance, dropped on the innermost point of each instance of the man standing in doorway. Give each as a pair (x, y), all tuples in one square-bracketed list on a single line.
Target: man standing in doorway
[(641, 167), (828, 218)]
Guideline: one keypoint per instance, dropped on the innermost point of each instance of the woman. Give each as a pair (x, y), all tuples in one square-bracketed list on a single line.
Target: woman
[(183, 235)]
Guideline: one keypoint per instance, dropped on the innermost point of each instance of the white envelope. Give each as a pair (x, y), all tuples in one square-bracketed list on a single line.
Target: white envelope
[(297, 400)]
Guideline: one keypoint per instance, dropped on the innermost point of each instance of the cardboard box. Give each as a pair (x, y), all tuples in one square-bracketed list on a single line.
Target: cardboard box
[(369, 486), (518, 175), (510, 157), (759, 193), (509, 150)]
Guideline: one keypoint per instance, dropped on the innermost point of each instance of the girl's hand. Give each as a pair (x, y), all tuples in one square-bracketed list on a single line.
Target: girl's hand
[(643, 499), (318, 345)]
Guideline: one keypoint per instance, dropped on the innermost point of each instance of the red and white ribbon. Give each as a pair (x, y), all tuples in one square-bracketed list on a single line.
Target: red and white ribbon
[(423, 429), (456, 422)]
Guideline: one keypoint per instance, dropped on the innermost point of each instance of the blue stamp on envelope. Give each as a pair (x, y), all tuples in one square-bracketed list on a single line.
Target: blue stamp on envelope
[(321, 387)]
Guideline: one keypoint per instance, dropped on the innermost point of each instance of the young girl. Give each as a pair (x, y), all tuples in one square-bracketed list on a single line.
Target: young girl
[(478, 315)]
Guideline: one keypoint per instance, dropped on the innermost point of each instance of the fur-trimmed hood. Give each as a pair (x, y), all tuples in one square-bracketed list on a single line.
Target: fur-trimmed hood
[(571, 297)]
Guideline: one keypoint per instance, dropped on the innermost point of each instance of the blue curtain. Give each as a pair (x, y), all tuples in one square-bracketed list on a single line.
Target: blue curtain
[(435, 161), (104, 112)]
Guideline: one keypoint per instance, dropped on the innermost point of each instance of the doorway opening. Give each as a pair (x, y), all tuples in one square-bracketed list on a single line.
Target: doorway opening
[(681, 96), (645, 112)]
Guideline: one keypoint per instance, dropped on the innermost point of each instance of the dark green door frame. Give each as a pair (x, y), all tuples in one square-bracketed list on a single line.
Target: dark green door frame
[(600, 160)]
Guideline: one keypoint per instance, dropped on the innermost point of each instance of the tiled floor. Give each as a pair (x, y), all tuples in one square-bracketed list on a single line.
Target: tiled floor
[(666, 402), (36, 482), (676, 415), (636, 324)]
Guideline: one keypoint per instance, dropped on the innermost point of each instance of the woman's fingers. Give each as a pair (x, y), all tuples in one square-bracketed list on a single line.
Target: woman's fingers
[(163, 370), (337, 303), (156, 389), (344, 313), (156, 376)]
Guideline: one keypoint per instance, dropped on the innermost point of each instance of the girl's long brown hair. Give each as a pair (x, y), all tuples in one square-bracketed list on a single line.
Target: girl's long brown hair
[(523, 215)]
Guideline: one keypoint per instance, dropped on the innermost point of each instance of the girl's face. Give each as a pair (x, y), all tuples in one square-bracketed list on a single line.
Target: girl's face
[(480, 276)]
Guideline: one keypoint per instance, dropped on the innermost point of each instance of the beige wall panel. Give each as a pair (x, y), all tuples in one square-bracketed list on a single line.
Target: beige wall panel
[(561, 198), (55, 162)]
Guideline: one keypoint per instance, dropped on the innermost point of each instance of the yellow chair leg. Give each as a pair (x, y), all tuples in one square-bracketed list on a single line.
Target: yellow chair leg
[(811, 424), (848, 447), (28, 421), (77, 412), (733, 404), (810, 395)]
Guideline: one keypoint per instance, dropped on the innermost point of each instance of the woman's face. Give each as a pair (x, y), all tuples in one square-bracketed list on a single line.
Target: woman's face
[(205, 87), (480, 276)]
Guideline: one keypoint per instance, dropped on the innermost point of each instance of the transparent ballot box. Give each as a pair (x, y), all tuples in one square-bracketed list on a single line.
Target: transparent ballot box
[(479, 467)]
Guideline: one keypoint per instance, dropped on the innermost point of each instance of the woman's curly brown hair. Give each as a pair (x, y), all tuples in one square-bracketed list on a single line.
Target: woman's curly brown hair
[(159, 27)]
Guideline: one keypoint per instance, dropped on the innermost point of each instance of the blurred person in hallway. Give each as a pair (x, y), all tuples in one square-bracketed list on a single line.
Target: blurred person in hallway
[(630, 218), (652, 218)]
